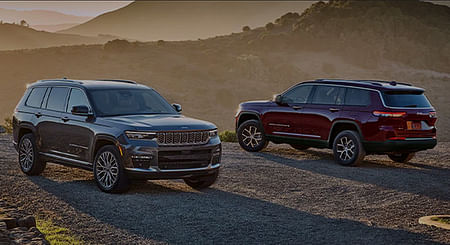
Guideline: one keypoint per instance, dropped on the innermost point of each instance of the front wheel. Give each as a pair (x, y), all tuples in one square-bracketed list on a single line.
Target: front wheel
[(29, 160), (401, 157), (251, 136), (202, 182), (348, 149), (108, 171)]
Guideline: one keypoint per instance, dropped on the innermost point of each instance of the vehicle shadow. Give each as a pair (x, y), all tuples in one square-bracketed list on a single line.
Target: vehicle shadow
[(423, 179), (178, 216)]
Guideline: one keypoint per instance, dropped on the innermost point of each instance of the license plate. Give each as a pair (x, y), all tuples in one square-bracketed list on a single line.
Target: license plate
[(414, 125)]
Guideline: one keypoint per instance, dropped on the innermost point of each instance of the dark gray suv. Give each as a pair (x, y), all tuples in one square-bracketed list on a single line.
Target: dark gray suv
[(118, 129)]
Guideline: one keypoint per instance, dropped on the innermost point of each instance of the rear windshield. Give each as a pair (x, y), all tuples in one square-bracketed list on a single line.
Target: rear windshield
[(406, 99)]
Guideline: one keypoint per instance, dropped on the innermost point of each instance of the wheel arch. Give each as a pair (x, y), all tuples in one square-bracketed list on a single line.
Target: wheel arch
[(245, 116), (341, 125), (100, 141)]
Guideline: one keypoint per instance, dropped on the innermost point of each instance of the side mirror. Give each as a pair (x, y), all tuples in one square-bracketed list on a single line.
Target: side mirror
[(177, 107), (81, 110), (278, 99)]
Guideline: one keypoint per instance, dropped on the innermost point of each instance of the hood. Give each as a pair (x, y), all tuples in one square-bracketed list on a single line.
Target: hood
[(160, 122), (257, 103)]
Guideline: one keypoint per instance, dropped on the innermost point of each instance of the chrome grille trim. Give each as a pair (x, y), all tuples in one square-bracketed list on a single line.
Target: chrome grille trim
[(182, 138)]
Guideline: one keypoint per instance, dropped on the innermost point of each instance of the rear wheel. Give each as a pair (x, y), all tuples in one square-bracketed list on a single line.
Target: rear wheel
[(300, 147), (251, 136), (202, 182), (108, 170), (348, 149), (401, 157), (29, 160)]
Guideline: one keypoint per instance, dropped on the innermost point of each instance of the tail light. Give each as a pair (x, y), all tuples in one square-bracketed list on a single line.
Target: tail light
[(388, 114), (433, 114)]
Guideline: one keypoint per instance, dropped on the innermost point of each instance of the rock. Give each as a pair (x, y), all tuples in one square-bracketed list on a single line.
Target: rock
[(10, 222), (27, 221)]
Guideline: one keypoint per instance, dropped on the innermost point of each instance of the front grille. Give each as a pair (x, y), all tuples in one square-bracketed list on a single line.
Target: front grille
[(184, 159), (183, 138)]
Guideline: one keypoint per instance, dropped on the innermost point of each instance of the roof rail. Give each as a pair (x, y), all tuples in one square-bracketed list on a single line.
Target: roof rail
[(374, 82), (61, 80), (117, 80)]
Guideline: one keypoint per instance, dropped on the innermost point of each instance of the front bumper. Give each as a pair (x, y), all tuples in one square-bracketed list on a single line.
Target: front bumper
[(408, 145), (156, 173)]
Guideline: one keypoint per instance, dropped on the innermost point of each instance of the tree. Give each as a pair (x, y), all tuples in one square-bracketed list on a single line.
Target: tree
[(24, 23), (269, 26), (246, 28)]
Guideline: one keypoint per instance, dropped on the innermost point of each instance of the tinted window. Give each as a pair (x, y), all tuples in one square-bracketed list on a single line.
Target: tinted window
[(297, 94), (76, 98), (406, 99), (57, 99), (357, 97), (36, 96), (326, 95), (118, 102)]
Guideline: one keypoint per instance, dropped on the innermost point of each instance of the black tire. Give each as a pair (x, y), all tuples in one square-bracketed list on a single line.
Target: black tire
[(348, 149), (29, 160), (249, 139), (300, 147), (202, 182), (108, 170), (401, 157)]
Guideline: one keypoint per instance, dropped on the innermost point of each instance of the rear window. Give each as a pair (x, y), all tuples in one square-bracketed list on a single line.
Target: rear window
[(357, 97), (36, 96), (326, 95), (57, 99), (406, 99)]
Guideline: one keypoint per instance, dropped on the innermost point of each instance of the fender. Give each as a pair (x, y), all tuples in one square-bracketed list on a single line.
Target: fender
[(101, 137), (347, 122), (247, 112)]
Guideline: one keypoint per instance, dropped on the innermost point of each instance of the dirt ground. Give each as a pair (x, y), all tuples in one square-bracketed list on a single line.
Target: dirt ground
[(278, 196)]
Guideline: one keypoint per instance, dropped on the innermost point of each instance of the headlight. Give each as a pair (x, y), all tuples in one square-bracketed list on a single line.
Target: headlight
[(213, 133), (134, 135)]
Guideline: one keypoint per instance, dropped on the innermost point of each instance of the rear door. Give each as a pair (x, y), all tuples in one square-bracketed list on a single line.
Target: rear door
[(325, 107), (50, 129), (286, 119)]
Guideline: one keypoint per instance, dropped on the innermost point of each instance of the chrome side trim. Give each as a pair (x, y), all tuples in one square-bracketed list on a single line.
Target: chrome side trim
[(79, 146), (63, 153), (419, 139), (157, 170), (301, 135), (279, 125), (66, 159)]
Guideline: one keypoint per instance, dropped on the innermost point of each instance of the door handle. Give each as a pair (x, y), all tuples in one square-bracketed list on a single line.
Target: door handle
[(38, 114), (65, 119), (334, 109), (296, 107)]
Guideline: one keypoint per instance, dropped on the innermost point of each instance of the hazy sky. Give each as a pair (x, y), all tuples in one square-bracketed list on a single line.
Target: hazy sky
[(82, 8)]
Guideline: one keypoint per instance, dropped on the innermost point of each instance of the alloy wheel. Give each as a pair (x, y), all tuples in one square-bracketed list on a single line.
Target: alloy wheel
[(251, 136), (26, 154), (345, 148), (107, 169)]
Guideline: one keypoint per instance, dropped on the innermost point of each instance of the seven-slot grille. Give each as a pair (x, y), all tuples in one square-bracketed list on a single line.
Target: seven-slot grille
[(183, 138)]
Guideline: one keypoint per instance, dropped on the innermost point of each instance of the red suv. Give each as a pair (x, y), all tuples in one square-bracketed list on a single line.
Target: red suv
[(352, 117)]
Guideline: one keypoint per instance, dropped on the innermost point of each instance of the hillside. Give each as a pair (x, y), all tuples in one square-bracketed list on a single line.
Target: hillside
[(20, 37), (179, 20), (39, 17), (211, 77)]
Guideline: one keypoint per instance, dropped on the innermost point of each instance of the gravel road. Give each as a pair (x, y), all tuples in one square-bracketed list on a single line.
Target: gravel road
[(277, 196)]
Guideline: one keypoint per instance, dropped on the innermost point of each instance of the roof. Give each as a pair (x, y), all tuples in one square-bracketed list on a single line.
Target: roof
[(372, 84), (90, 84)]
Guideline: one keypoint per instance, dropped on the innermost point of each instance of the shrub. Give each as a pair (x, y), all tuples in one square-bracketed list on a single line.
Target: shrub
[(228, 136), (246, 28), (7, 125), (270, 26), (160, 42), (117, 45)]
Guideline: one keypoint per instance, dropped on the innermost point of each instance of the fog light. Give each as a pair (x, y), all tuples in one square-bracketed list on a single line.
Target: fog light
[(216, 155)]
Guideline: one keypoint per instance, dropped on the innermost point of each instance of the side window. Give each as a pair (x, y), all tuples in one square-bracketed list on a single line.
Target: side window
[(357, 97), (297, 94), (76, 98), (57, 99), (35, 97), (326, 95)]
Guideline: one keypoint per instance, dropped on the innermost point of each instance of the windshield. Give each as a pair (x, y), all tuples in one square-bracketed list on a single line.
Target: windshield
[(119, 102), (406, 99)]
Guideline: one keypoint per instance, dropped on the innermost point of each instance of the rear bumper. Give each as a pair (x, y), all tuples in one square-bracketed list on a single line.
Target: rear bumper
[(156, 173), (408, 145)]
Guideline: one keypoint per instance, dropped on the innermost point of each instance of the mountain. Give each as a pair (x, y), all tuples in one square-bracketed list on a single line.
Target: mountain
[(387, 40), (54, 28), (183, 20), (39, 17), (14, 36)]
